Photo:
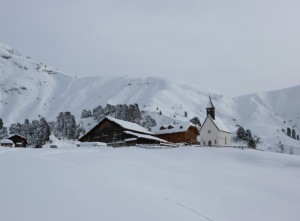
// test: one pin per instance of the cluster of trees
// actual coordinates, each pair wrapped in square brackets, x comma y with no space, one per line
[246,135]
[3,130]
[38,132]
[292,133]
[148,122]
[65,126]
[125,112]
[196,121]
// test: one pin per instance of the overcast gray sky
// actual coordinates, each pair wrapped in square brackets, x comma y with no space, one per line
[233,46]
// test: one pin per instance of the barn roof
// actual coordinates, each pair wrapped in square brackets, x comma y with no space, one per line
[173,128]
[129,125]
[148,137]
[12,135]
[124,124]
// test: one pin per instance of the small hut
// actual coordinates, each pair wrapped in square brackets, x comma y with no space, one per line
[18,140]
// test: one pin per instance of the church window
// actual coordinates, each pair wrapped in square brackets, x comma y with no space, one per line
[209,131]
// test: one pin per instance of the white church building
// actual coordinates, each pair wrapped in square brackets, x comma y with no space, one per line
[213,131]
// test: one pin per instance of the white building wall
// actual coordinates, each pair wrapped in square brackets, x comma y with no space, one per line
[209,132]
[225,139]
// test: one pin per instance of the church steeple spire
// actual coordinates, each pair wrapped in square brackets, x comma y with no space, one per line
[210,109]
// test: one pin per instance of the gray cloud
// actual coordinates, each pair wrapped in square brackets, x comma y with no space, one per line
[234,47]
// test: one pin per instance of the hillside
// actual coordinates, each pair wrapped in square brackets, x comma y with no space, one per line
[30,89]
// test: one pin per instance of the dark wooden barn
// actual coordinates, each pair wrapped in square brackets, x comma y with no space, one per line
[117,132]
[178,133]
[18,140]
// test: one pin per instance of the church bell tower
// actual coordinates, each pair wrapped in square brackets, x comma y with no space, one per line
[210,109]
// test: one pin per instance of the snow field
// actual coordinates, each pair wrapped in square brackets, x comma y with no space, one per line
[187,183]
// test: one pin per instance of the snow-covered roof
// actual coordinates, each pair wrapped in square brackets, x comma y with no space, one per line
[149,137]
[11,135]
[173,128]
[130,139]
[219,124]
[6,141]
[129,125]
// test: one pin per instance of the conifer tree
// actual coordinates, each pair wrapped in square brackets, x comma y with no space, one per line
[3,132]
[1,124]
[196,121]
[45,130]
[293,134]
[25,129]
[15,128]
[65,127]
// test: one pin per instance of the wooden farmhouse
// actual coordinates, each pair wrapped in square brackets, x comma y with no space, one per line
[117,132]
[213,131]
[18,140]
[178,133]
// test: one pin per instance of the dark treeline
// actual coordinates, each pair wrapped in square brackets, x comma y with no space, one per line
[37,132]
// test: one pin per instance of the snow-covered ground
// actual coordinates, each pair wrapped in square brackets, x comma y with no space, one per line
[186,183]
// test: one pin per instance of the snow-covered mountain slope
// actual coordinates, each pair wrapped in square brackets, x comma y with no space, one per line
[29,89]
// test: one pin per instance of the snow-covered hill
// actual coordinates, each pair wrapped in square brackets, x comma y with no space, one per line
[29,89]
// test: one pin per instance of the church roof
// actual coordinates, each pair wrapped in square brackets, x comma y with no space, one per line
[218,123]
[210,103]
